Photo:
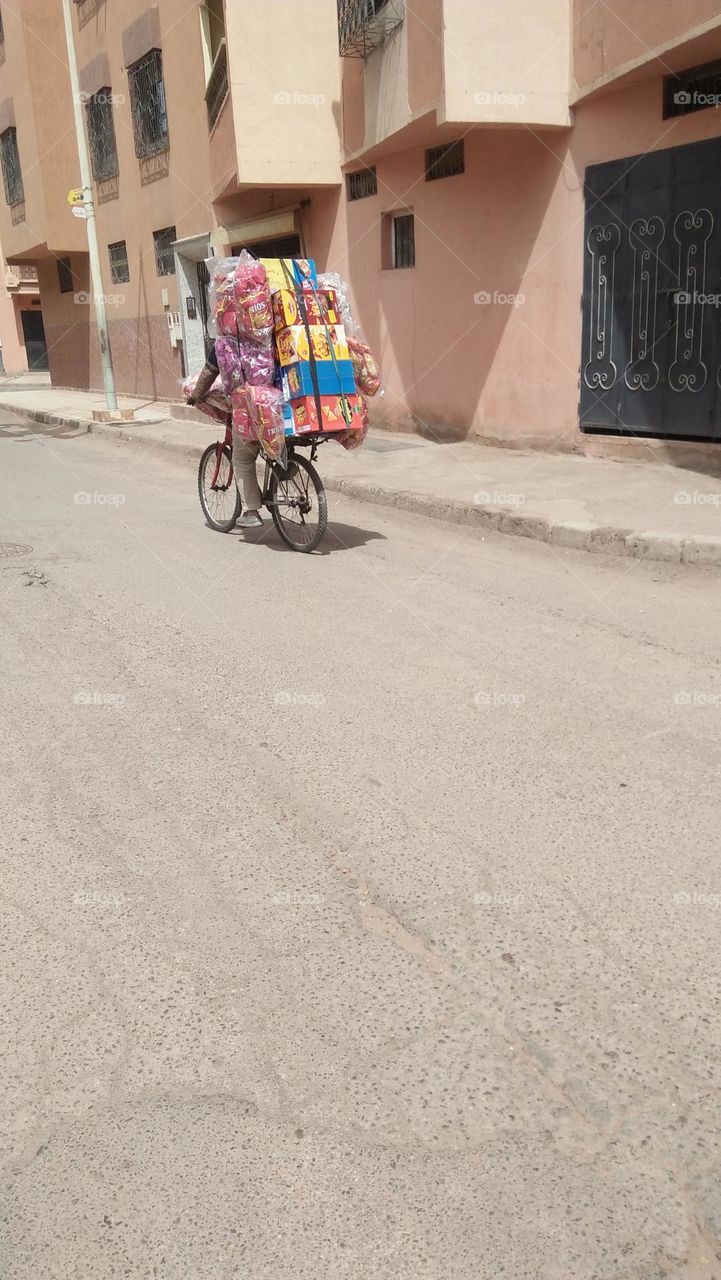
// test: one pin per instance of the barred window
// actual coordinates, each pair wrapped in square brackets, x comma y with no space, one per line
[363,183]
[147,100]
[101,133]
[692,90]
[12,173]
[66,280]
[404,240]
[164,252]
[119,266]
[446,161]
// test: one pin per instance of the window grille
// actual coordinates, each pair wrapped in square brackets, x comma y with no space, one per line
[101,133]
[164,252]
[445,161]
[66,279]
[147,100]
[362,184]
[404,240]
[692,90]
[12,173]
[363,25]
[217,90]
[119,267]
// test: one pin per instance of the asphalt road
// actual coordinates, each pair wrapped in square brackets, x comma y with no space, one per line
[360,912]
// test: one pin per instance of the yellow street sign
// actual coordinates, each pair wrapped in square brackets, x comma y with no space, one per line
[76,195]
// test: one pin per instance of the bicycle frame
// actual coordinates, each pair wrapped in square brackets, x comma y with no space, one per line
[312,441]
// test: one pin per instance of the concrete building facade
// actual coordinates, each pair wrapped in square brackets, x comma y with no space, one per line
[521,193]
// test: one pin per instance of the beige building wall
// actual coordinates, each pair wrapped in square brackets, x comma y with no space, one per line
[285,88]
[648,37]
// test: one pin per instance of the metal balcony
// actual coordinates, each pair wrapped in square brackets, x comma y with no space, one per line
[363,25]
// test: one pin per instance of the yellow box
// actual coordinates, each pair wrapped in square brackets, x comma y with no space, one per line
[292,343]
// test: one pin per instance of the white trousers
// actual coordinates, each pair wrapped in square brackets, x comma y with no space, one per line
[245,456]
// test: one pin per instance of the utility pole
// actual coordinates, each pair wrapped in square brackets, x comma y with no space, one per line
[93,246]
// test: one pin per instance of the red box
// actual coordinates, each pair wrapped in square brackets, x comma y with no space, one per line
[305,413]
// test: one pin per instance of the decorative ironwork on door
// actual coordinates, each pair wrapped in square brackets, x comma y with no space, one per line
[651,360]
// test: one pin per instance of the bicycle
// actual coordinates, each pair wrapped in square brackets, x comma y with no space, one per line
[294,495]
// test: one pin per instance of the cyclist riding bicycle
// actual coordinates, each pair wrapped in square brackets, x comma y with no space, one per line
[245,452]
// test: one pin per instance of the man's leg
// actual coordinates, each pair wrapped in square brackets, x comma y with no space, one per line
[245,456]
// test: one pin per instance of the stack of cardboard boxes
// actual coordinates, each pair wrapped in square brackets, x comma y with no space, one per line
[317,379]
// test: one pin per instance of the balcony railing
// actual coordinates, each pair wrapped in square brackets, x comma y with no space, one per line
[217,90]
[363,25]
[23,276]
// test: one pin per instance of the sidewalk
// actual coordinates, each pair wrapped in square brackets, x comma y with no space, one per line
[638,509]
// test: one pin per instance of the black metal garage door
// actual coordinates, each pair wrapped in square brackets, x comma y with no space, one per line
[651,362]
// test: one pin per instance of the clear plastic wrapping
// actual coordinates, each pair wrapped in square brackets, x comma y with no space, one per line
[258,415]
[365,369]
[216,404]
[251,293]
[222,303]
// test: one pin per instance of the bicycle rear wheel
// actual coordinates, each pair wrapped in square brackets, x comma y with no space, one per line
[298,505]
[217,489]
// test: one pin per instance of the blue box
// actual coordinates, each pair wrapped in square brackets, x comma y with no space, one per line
[334,378]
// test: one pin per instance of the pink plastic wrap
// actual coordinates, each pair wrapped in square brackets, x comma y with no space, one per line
[216,405]
[266,425]
[227,353]
[252,299]
[258,361]
[241,413]
[241,361]
[222,301]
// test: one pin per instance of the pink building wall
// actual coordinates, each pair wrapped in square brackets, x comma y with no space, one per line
[511,228]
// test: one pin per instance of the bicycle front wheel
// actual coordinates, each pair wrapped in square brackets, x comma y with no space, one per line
[298,505]
[217,489]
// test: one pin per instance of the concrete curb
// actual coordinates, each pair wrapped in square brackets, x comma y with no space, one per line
[658,545]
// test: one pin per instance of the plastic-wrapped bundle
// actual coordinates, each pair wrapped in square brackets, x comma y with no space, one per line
[367,373]
[258,361]
[216,404]
[331,280]
[230,363]
[222,300]
[241,413]
[251,293]
[265,413]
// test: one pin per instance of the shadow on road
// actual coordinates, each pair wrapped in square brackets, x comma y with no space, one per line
[26,430]
[340,537]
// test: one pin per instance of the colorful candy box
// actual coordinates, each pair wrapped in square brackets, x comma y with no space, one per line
[292,343]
